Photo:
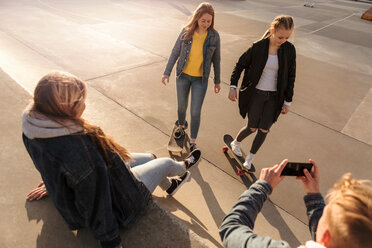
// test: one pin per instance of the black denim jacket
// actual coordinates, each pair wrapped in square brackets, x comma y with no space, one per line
[253,62]
[85,191]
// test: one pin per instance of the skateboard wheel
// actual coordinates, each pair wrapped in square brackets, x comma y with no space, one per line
[240,172]
[224,149]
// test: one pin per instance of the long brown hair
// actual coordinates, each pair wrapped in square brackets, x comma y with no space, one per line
[350,213]
[282,21]
[60,97]
[203,8]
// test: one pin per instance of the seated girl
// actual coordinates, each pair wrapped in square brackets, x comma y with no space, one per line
[92,180]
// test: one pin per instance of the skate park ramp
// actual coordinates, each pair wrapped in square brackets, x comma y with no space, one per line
[120,48]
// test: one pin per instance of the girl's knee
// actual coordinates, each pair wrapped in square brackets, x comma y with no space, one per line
[253,129]
[264,130]
[165,160]
[195,114]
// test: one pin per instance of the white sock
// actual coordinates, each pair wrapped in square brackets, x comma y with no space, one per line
[250,156]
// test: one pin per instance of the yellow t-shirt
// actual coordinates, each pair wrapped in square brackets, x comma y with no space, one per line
[195,61]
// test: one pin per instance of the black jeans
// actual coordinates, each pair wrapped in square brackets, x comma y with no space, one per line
[262,110]
[260,115]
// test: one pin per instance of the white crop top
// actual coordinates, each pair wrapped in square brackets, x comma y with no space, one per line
[268,80]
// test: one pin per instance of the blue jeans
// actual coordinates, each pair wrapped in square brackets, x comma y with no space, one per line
[198,90]
[155,171]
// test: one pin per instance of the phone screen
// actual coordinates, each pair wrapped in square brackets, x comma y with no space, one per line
[296,169]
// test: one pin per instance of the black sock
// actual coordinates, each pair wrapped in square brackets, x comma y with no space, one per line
[243,133]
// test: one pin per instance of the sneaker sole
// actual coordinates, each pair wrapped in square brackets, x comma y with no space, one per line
[183,182]
[239,155]
[247,167]
[197,162]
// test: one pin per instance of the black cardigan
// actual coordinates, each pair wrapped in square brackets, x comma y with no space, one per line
[253,62]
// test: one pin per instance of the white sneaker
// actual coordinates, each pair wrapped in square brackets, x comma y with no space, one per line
[235,147]
[248,161]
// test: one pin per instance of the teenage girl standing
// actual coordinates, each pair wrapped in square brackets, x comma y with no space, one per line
[196,48]
[267,88]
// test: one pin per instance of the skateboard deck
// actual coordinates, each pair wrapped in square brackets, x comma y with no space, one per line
[240,159]
[176,145]
[309,4]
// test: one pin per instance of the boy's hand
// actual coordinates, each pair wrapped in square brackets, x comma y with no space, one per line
[272,174]
[311,179]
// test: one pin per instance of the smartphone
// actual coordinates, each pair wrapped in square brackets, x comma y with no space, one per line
[296,169]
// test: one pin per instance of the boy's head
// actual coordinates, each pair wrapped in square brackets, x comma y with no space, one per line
[347,218]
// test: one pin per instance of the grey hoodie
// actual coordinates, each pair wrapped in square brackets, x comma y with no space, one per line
[35,125]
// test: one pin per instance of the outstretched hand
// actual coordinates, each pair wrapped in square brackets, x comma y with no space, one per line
[233,94]
[38,193]
[272,174]
[285,109]
[217,88]
[311,179]
[165,79]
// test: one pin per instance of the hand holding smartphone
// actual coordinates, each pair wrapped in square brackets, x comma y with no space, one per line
[296,169]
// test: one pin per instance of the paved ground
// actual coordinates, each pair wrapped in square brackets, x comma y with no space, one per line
[120,49]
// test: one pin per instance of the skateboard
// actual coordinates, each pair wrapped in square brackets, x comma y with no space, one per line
[309,4]
[240,159]
[176,145]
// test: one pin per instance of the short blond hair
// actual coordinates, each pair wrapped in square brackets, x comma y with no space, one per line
[349,214]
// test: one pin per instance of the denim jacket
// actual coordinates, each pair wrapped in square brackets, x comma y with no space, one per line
[211,54]
[85,191]
[237,227]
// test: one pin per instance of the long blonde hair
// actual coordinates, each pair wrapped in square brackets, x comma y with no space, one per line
[60,97]
[282,21]
[350,213]
[202,9]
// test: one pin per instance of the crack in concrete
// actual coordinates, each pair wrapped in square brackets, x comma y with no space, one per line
[127,69]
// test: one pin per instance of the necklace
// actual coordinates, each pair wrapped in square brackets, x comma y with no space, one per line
[199,36]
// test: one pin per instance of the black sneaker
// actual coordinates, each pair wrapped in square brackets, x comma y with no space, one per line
[179,133]
[193,158]
[192,147]
[178,182]
[185,125]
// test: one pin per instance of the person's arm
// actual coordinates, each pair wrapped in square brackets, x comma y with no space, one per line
[237,227]
[243,63]
[291,77]
[313,200]
[216,60]
[173,58]
[93,201]
[314,210]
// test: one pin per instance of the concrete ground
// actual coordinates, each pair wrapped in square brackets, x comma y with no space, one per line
[120,48]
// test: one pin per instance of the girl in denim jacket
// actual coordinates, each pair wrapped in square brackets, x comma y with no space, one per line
[93,181]
[196,48]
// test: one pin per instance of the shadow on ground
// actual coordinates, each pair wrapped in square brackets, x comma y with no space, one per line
[144,233]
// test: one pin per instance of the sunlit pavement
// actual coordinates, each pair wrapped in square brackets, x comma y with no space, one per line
[120,49]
